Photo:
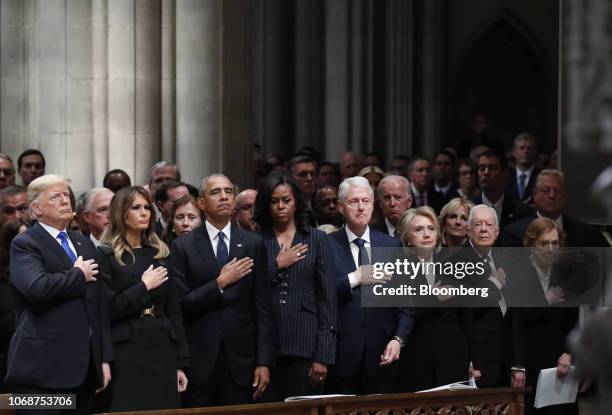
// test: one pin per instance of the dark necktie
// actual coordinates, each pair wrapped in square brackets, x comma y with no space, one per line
[221,250]
[364,259]
[63,237]
[521,185]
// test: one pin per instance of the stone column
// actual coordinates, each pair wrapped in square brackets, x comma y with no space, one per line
[399,77]
[199,72]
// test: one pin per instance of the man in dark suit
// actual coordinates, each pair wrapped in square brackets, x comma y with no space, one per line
[492,178]
[549,196]
[225,296]
[491,331]
[62,340]
[419,173]
[394,198]
[444,176]
[369,339]
[522,178]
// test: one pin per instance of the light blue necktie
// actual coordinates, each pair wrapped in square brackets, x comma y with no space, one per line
[63,237]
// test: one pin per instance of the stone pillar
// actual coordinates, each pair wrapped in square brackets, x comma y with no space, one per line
[199,72]
[399,77]
[102,162]
[432,50]
[168,84]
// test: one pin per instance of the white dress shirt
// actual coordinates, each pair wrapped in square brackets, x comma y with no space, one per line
[213,234]
[55,232]
[355,251]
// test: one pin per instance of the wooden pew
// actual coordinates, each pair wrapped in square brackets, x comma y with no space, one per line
[502,401]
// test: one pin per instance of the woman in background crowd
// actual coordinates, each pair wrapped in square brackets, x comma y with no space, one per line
[454,221]
[468,179]
[147,330]
[303,289]
[185,216]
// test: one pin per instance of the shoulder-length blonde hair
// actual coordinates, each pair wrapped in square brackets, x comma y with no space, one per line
[403,225]
[453,205]
[115,234]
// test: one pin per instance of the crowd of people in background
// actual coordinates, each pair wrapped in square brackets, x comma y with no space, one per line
[210,295]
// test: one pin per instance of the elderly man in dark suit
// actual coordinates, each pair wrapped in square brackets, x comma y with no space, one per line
[62,340]
[549,196]
[394,198]
[369,339]
[492,178]
[225,297]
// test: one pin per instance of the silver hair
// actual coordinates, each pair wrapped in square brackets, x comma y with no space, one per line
[39,185]
[524,136]
[550,173]
[481,207]
[358,182]
[391,178]
[89,195]
[161,164]
[7,158]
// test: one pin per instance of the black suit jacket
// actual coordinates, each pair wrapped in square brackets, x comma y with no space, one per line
[512,185]
[445,197]
[360,329]
[61,318]
[512,210]
[304,299]
[434,199]
[240,318]
[577,233]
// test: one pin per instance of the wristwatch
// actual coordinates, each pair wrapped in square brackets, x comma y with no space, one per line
[399,340]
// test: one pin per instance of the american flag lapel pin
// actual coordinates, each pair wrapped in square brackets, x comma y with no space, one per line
[239,245]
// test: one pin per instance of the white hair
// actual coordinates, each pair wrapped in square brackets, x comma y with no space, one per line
[89,195]
[393,178]
[358,182]
[482,207]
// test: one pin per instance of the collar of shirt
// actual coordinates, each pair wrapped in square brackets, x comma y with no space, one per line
[527,173]
[543,276]
[213,233]
[352,236]
[415,192]
[54,232]
[95,240]
[559,220]
[443,190]
[498,206]
[390,228]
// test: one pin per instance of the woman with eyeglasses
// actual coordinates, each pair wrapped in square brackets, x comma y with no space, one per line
[150,350]
[302,289]
[541,320]
[441,341]
[467,170]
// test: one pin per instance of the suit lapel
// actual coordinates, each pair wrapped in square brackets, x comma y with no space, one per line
[343,241]
[78,246]
[201,235]
[44,237]
[237,244]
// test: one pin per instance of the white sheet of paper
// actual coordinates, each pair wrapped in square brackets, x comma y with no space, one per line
[554,391]
[307,397]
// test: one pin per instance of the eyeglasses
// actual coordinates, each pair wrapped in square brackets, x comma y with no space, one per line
[479,225]
[548,244]
[11,210]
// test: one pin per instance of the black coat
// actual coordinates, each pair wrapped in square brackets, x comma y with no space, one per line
[240,318]
[512,185]
[7,326]
[304,299]
[145,376]
[62,320]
